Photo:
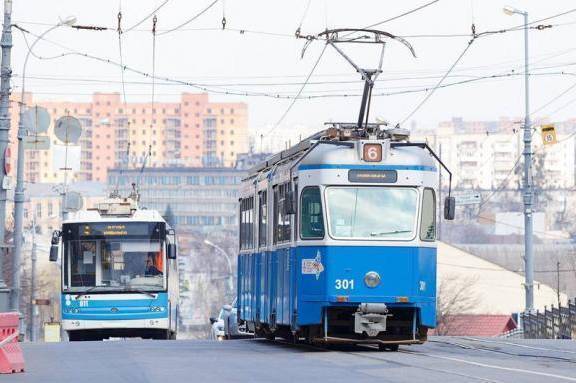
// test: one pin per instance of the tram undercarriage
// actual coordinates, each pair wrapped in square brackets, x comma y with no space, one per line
[340,327]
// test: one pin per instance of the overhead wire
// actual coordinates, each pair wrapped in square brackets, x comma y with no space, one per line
[126,162]
[197,15]
[402,14]
[283,116]
[423,101]
[153,13]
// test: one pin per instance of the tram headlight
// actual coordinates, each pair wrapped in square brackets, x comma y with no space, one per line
[372,279]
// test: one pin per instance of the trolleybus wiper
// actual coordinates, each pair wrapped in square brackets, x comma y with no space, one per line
[133,290]
[87,291]
[390,232]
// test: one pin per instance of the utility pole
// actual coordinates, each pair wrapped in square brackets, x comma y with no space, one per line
[527,185]
[558,284]
[34,257]
[19,191]
[440,197]
[6,74]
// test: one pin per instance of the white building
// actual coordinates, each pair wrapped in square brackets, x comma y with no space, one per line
[486,155]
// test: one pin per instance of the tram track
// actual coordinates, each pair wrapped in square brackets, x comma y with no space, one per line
[382,358]
[389,361]
[488,349]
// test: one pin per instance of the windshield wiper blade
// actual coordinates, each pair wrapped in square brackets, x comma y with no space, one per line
[86,292]
[390,232]
[130,289]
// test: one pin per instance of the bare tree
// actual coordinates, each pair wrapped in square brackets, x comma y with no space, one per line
[454,297]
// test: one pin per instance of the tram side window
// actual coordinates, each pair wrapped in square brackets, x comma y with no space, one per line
[428,221]
[282,228]
[262,218]
[311,220]
[247,223]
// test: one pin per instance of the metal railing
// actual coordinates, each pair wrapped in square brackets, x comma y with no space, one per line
[553,323]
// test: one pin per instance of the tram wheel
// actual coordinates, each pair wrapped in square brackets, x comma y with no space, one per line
[388,347]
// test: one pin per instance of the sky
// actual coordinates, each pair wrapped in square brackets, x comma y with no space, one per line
[202,53]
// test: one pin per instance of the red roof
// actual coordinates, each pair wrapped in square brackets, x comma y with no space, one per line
[475,325]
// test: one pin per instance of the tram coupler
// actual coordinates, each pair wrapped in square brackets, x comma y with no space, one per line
[370,318]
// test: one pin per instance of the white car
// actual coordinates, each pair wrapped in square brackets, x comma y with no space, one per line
[217,329]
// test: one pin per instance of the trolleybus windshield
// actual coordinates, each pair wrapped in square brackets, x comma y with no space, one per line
[118,257]
[376,213]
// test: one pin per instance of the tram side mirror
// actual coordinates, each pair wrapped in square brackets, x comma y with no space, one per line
[289,203]
[213,320]
[449,208]
[172,251]
[54,246]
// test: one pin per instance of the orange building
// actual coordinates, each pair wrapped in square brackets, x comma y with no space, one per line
[191,132]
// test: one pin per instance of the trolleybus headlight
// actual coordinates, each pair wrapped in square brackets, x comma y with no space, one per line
[372,279]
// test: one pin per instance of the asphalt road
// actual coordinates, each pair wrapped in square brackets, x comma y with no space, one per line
[440,360]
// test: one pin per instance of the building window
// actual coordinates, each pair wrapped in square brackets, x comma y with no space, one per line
[311,219]
[428,221]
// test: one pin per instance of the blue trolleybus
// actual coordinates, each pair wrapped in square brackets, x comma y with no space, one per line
[337,239]
[119,273]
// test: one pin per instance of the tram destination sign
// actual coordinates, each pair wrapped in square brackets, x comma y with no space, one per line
[373,176]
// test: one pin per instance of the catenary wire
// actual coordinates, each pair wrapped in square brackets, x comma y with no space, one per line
[147,17]
[197,15]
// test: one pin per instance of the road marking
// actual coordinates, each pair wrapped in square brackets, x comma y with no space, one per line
[569,378]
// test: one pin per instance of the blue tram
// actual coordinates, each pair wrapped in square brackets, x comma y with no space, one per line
[337,239]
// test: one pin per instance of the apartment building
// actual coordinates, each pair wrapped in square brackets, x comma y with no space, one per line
[486,155]
[199,198]
[190,132]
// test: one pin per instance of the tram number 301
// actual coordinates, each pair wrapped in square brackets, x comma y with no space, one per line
[344,284]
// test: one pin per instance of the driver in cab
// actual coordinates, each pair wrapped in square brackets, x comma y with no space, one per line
[151,269]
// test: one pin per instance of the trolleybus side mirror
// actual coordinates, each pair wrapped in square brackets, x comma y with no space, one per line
[213,320]
[289,203]
[54,246]
[172,251]
[449,208]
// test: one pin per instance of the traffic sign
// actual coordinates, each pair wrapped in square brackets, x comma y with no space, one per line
[68,129]
[36,119]
[72,202]
[36,142]
[472,198]
[549,134]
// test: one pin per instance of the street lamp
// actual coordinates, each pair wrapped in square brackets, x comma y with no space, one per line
[527,181]
[32,312]
[228,262]
[19,191]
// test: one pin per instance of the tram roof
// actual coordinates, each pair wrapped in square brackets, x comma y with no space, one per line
[341,134]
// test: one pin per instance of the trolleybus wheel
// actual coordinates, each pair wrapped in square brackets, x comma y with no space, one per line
[388,347]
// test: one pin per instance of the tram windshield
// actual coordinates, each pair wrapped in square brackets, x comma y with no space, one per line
[114,257]
[377,213]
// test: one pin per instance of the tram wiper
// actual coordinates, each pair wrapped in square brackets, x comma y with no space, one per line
[390,232]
